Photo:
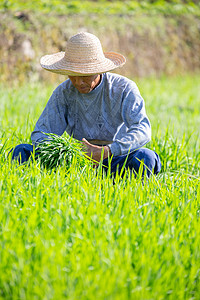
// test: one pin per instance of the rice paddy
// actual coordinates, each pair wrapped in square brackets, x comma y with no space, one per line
[76,234]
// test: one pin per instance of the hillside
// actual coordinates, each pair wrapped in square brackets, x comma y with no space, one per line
[156,40]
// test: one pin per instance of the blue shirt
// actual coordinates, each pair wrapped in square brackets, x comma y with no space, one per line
[114,112]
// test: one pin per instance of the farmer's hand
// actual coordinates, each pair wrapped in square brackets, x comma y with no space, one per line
[94,151]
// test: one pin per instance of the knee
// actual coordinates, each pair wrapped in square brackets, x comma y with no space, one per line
[148,160]
[22,152]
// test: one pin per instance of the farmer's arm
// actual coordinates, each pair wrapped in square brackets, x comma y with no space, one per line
[53,118]
[138,129]
[136,133]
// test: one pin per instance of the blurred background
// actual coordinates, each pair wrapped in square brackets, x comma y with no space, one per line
[157,37]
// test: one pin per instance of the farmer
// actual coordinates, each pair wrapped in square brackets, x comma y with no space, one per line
[103,110]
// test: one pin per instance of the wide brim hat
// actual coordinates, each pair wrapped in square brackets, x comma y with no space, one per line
[83,57]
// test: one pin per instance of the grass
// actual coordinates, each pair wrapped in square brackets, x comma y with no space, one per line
[103,7]
[75,235]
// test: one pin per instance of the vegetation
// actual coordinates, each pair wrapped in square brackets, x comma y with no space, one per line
[58,151]
[156,37]
[77,235]
[74,233]
[102,7]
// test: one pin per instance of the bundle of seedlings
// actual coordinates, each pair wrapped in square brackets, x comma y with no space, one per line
[61,151]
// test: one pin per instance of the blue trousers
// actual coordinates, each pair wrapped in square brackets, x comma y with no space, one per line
[147,159]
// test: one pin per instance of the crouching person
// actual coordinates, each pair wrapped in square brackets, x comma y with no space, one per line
[103,110]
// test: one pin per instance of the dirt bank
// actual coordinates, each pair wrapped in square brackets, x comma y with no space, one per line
[153,45]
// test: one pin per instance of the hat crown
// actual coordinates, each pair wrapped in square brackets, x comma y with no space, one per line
[84,47]
[84,56]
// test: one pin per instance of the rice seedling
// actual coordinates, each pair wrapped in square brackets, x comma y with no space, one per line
[61,150]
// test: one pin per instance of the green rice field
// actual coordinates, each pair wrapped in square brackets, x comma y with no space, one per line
[77,234]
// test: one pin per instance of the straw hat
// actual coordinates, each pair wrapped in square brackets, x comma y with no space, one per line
[83,57]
